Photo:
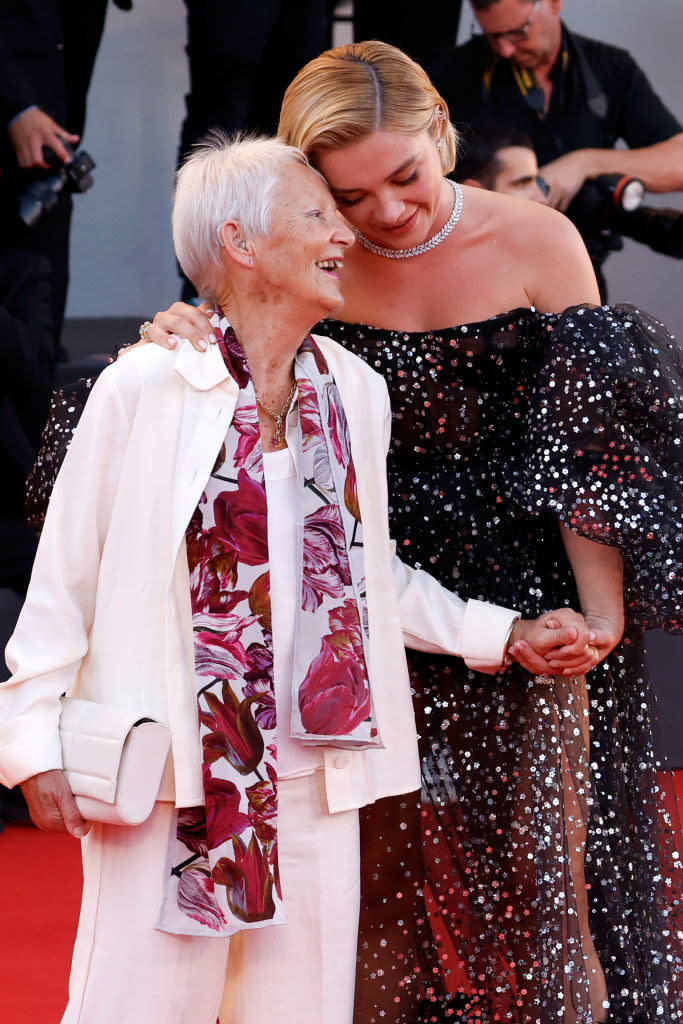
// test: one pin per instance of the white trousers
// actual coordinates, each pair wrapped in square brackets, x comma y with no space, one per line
[124,971]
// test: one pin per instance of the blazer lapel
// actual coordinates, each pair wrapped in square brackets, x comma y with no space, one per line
[208,407]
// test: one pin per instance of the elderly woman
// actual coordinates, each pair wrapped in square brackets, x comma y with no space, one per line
[528,424]
[216,555]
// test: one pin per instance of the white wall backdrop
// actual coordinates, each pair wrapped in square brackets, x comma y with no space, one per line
[122,264]
[121,254]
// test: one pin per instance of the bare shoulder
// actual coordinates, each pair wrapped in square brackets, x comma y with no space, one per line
[562,275]
[550,253]
[522,227]
[549,232]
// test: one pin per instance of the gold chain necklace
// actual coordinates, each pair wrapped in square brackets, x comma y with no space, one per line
[279,417]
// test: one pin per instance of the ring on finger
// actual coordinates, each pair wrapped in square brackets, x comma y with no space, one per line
[142,330]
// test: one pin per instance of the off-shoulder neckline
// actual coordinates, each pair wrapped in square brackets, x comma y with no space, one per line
[518,311]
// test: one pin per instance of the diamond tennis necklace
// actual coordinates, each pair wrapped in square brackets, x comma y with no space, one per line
[431,243]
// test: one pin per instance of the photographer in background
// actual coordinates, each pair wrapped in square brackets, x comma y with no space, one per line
[47,56]
[574,97]
[500,158]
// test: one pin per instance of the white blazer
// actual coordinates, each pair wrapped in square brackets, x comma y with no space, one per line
[108,616]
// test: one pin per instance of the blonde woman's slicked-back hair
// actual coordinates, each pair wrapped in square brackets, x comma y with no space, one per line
[224,179]
[348,93]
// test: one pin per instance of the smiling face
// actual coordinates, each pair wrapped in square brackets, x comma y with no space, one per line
[302,254]
[390,186]
[542,44]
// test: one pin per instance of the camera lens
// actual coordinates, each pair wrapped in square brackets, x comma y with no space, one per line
[631,195]
[30,209]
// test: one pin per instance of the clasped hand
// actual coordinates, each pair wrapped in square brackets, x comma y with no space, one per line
[562,642]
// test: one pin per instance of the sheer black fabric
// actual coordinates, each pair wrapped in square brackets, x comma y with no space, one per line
[66,407]
[501,429]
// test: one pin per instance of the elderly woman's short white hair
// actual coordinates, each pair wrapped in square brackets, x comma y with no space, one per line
[224,179]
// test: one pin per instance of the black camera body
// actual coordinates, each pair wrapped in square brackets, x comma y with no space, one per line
[42,194]
[660,228]
[610,206]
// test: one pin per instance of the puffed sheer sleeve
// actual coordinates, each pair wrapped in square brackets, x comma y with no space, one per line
[605,448]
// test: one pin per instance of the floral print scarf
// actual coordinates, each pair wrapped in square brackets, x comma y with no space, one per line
[223,870]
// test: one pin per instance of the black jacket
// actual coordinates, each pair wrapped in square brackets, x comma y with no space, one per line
[599,95]
[47,56]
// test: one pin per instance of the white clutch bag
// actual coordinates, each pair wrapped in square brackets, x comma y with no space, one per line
[113,760]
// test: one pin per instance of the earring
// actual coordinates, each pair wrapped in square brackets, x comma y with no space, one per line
[442,118]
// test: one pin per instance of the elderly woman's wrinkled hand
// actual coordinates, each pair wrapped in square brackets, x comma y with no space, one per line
[559,643]
[51,804]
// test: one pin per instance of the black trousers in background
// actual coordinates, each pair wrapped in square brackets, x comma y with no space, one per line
[48,237]
[421,30]
[242,56]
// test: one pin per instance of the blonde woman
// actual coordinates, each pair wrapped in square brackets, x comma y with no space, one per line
[535,445]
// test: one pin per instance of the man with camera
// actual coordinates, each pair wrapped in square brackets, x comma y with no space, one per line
[574,97]
[47,55]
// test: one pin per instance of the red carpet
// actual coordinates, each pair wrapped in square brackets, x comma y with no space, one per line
[40,878]
[678,781]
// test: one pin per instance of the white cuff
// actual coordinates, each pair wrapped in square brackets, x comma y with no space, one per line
[485,630]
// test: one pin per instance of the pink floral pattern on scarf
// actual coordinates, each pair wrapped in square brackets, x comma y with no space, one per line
[224,867]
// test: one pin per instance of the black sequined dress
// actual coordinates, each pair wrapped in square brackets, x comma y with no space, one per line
[502,429]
